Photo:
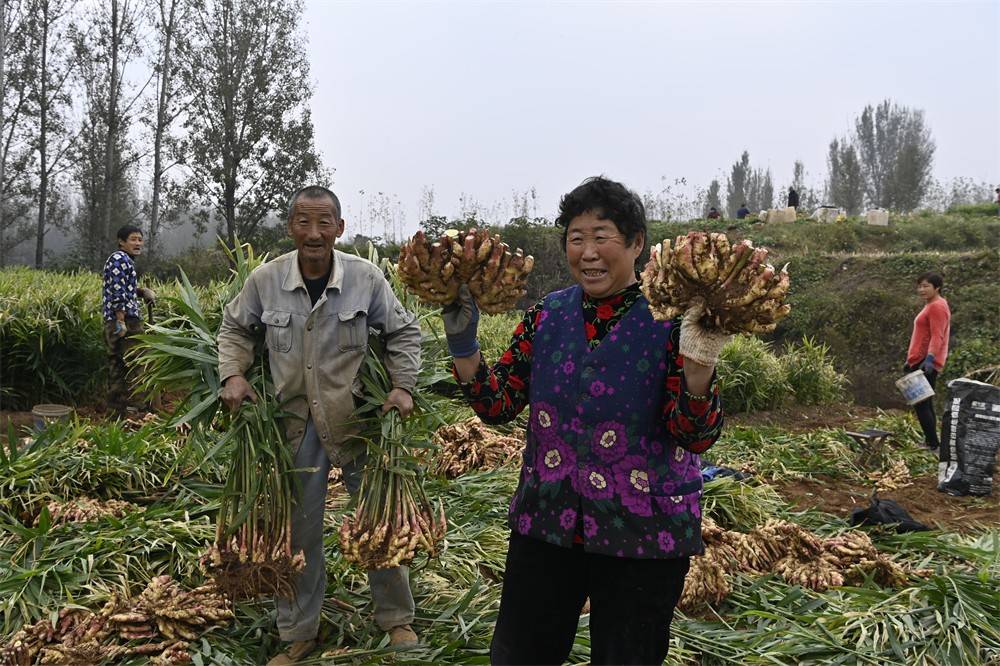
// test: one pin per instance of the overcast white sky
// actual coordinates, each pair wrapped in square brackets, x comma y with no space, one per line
[484,98]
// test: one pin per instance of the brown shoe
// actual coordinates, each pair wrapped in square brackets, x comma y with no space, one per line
[295,652]
[402,636]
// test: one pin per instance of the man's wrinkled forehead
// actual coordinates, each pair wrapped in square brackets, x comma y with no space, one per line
[314,208]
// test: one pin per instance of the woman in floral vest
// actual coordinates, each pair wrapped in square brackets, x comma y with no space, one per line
[620,406]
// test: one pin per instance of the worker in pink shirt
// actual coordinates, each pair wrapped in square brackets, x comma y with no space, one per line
[929,347]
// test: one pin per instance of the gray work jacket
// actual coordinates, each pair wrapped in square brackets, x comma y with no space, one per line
[316,351]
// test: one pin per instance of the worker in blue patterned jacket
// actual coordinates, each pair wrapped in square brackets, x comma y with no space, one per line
[122,315]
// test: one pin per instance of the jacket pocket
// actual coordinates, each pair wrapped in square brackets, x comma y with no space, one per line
[278,334]
[352,333]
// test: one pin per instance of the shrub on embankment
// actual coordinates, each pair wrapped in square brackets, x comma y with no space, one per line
[863,306]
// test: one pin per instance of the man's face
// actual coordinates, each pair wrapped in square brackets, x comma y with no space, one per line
[133,245]
[314,227]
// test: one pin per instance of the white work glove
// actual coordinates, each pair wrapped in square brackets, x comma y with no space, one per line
[697,343]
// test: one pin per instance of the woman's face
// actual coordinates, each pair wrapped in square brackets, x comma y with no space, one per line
[599,259]
[926,290]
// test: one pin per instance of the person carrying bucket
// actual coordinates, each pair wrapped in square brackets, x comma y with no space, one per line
[929,348]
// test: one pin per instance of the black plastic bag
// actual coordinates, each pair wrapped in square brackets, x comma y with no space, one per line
[970,438]
[886,512]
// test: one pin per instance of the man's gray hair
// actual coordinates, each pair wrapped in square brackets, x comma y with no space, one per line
[314,192]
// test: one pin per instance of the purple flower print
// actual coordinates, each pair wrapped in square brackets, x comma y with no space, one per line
[632,483]
[568,367]
[665,541]
[589,527]
[524,523]
[609,441]
[656,448]
[694,506]
[567,519]
[596,483]
[597,388]
[674,505]
[576,425]
[556,459]
[544,419]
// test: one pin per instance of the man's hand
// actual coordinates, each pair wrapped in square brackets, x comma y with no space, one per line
[698,344]
[461,323]
[236,390]
[120,329]
[148,294]
[399,399]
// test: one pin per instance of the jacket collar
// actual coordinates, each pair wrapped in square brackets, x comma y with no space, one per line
[293,275]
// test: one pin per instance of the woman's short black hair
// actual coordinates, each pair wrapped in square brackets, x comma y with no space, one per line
[934,279]
[128,230]
[610,200]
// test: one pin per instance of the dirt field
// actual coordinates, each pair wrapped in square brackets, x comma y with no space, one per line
[922,500]
[797,418]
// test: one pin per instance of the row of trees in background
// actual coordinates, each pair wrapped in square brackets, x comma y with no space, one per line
[158,111]
[124,111]
[885,163]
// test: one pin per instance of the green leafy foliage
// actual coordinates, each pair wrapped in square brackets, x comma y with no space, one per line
[810,373]
[988,209]
[51,333]
[51,336]
[751,377]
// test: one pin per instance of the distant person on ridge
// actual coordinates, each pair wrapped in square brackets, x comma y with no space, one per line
[122,315]
[929,348]
[743,211]
[713,214]
[793,198]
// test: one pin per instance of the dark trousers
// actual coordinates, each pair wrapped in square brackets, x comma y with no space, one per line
[544,587]
[121,379]
[925,412]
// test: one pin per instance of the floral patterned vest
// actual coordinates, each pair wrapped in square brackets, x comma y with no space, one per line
[597,444]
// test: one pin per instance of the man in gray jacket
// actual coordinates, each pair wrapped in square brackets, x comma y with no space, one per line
[316,306]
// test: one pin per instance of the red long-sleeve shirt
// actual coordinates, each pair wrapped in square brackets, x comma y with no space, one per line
[930,334]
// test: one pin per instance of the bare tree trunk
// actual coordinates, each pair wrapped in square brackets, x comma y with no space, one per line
[110,141]
[162,112]
[3,96]
[43,148]
[230,204]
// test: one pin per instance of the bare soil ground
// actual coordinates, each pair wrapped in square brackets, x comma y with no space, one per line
[798,418]
[839,496]
[19,420]
[921,500]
